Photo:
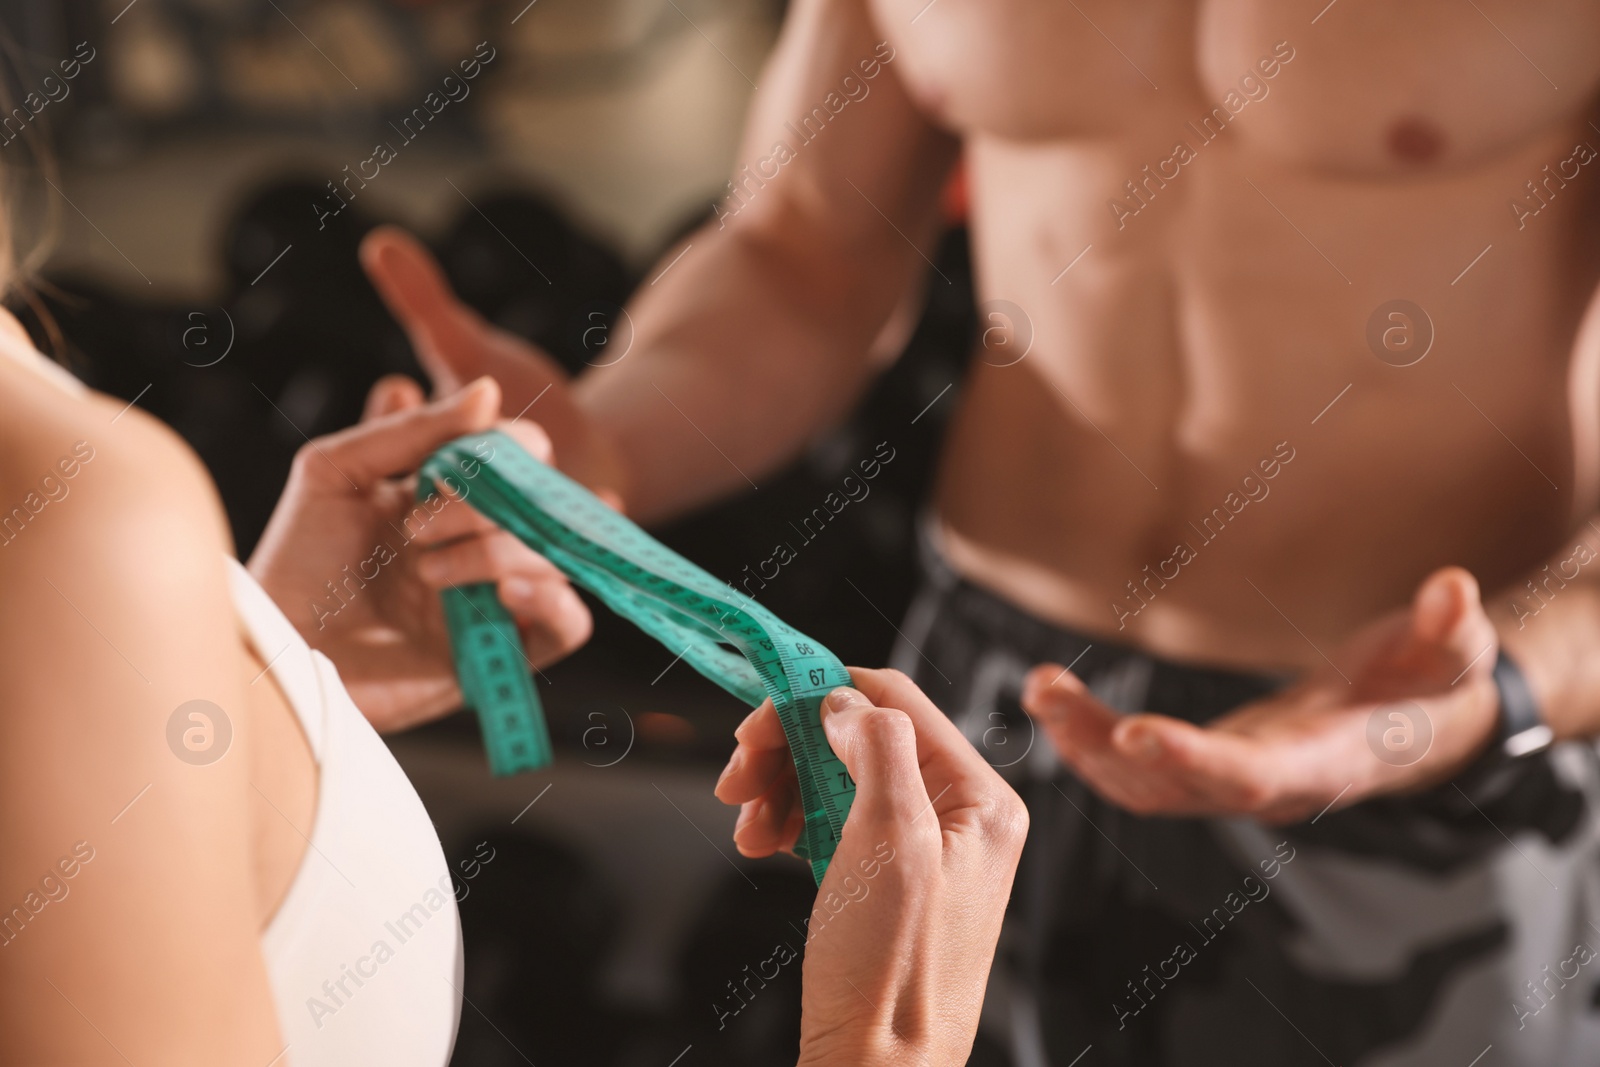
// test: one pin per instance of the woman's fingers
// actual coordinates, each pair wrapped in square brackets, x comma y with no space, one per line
[455,520]
[485,558]
[937,737]
[396,443]
[751,772]
[957,778]
[908,914]
[761,754]
[762,728]
[793,826]
[962,794]
[553,619]
[531,436]
[760,778]
[392,393]
[878,746]
[914,771]
[397,434]
[771,822]
[554,622]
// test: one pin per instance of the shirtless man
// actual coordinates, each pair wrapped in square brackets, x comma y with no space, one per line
[1231,481]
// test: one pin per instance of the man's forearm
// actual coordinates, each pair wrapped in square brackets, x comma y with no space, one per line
[755,333]
[741,352]
[1550,624]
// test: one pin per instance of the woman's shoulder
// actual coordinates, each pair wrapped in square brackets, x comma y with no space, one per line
[80,470]
[116,624]
[112,557]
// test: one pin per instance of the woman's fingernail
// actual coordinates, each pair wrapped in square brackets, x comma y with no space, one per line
[467,394]
[734,763]
[518,590]
[738,731]
[843,699]
[569,600]
[747,815]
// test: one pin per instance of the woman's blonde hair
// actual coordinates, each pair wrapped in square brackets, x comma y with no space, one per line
[19,273]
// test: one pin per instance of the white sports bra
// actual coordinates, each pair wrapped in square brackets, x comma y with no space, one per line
[364,955]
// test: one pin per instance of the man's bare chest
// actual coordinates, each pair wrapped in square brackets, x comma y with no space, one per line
[1352,86]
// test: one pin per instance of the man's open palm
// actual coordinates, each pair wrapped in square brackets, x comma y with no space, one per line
[1410,704]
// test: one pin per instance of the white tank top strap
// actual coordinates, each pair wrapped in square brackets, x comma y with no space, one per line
[288,658]
[364,955]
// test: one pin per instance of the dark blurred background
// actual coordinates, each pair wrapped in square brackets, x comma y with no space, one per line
[191,274]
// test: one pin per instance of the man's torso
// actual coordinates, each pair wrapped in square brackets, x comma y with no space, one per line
[1190,216]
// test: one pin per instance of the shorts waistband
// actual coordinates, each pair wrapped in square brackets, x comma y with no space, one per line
[1124,676]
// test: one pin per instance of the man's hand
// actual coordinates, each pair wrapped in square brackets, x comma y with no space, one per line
[357,565]
[1414,704]
[904,928]
[455,345]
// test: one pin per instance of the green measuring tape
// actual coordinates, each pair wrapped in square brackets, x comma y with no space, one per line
[713,627]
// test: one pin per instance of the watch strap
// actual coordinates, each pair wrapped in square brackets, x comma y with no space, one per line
[1522,730]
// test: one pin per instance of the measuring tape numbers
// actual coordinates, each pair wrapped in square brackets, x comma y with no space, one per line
[717,630]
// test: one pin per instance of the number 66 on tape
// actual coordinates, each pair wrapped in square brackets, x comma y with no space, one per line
[692,613]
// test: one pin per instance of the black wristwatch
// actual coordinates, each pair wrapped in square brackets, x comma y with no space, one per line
[1522,730]
[1520,733]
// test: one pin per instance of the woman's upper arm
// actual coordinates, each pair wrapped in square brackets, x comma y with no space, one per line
[127,900]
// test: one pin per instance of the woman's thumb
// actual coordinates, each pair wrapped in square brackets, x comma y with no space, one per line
[878,746]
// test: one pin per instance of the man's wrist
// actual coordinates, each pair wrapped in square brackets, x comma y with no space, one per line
[1555,655]
[872,1053]
[1521,728]
[1516,731]
[843,1053]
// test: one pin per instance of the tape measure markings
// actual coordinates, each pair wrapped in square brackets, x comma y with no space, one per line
[664,594]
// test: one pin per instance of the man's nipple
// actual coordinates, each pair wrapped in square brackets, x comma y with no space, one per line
[1415,141]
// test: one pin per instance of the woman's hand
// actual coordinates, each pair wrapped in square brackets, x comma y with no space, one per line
[906,920]
[357,565]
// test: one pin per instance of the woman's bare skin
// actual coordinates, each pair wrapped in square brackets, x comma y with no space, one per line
[116,611]
[158,875]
